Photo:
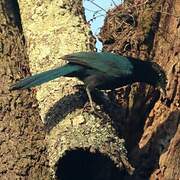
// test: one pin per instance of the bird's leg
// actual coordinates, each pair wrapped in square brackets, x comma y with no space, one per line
[90,99]
[91,103]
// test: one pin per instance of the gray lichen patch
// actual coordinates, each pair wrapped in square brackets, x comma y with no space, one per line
[89,133]
[52,30]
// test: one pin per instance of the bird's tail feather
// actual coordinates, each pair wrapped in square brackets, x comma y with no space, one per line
[46,76]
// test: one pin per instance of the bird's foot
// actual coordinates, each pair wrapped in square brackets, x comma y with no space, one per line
[98,114]
[90,108]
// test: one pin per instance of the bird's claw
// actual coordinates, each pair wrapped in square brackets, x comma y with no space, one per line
[88,108]
[91,109]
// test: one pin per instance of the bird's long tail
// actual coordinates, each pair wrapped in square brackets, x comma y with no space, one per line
[46,76]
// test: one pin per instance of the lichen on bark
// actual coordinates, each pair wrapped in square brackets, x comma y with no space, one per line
[53,29]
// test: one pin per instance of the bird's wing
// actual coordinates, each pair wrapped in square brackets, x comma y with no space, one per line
[109,63]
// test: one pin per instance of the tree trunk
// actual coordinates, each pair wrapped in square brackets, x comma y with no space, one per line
[53,29]
[22,139]
[148,30]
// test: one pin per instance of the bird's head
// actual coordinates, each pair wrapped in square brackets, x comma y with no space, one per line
[160,78]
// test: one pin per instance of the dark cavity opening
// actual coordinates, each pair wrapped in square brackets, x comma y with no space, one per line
[83,165]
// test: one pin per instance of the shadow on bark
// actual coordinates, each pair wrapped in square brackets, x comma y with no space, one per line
[63,107]
[158,143]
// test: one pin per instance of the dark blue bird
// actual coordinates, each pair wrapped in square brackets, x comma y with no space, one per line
[102,71]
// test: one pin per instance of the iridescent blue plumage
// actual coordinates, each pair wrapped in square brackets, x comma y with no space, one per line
[102,71]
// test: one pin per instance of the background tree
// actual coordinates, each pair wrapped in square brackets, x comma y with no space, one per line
[150,124]
[23,148]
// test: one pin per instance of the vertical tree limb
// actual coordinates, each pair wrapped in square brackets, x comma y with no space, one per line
[22,145]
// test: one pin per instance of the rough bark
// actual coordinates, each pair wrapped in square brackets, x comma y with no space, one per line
[150,124]
[23,153]
[52,29]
